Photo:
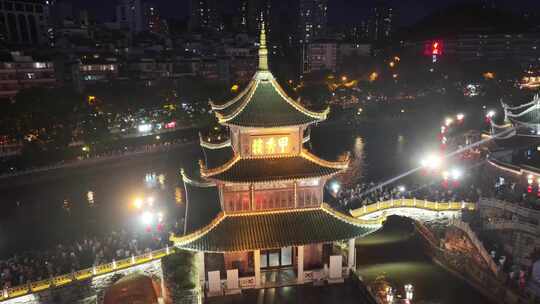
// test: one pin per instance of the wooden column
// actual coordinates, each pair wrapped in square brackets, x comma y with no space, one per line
[300,264]
[251,197]
[257,266]
[351,261]
[295,194]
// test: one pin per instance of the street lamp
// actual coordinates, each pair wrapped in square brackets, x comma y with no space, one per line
[137,203]
[460,116]
[490,114]
[335,187]
[456,173]
[401,188]
[147,218]
[432,162]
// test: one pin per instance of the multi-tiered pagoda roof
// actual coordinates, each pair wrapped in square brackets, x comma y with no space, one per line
[262,108]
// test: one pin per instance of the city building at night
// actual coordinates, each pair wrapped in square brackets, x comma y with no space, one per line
[313,19]
[19,71]
[24,21]
[257,201]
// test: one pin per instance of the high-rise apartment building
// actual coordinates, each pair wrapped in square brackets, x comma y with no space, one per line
[24,21]
[137,16]
[380,22]
[313,19]
[205,14]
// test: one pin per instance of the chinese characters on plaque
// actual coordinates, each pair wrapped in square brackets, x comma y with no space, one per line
[267,145]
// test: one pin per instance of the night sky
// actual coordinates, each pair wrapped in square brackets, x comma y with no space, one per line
[348,11]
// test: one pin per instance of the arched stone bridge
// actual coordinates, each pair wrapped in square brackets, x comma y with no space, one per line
[420,210]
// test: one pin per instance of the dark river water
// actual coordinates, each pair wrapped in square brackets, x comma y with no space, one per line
[98,199]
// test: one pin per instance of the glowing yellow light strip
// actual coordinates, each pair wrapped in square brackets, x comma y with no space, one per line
[520,172]
[84,274]
[325,163]
[224,118]
[179,241]
[411,203]
[352,220]
[205,172]
[297,106]
[271,211]
[188,180]
[234,100]
[215,146]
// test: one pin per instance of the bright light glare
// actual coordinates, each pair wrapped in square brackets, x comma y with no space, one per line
[144,128]
[432,162]
[401,188]
[150,200]
[137,203]
[460,116]
[147,218]
[491,114]
[445,175]
[456,173]
[448,121]
[335,187]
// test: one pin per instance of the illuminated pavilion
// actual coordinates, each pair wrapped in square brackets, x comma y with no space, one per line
[256,201]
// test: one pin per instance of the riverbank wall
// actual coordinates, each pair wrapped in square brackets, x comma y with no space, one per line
[94,165]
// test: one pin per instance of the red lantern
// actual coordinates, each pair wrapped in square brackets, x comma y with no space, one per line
[529,189]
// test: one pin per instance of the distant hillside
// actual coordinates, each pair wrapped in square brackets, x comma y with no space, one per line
[464,18]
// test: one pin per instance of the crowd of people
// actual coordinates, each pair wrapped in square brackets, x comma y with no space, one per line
[368,193]
[67,258]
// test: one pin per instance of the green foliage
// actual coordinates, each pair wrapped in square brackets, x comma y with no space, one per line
[180,269]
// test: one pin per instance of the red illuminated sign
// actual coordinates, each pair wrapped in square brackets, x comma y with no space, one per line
[434,47]
[170,125]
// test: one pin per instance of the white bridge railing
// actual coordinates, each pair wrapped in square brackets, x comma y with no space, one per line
[412,203]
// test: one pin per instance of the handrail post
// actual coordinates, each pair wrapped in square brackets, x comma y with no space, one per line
[132,259]
[5,293]
[167,250]
[94,270]
[114,264]
[414,201]
[151,254]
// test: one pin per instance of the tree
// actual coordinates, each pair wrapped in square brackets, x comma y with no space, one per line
[45,113]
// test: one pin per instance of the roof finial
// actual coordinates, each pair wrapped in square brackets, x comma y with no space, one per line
[263,51]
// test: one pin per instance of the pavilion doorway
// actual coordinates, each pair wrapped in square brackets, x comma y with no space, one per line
[276,258]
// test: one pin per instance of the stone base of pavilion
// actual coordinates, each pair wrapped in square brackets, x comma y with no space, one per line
[318,264]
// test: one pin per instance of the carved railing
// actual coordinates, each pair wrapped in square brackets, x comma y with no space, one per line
[62,280]
[477,243]
[511,225]
[508,206]
[411,203]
